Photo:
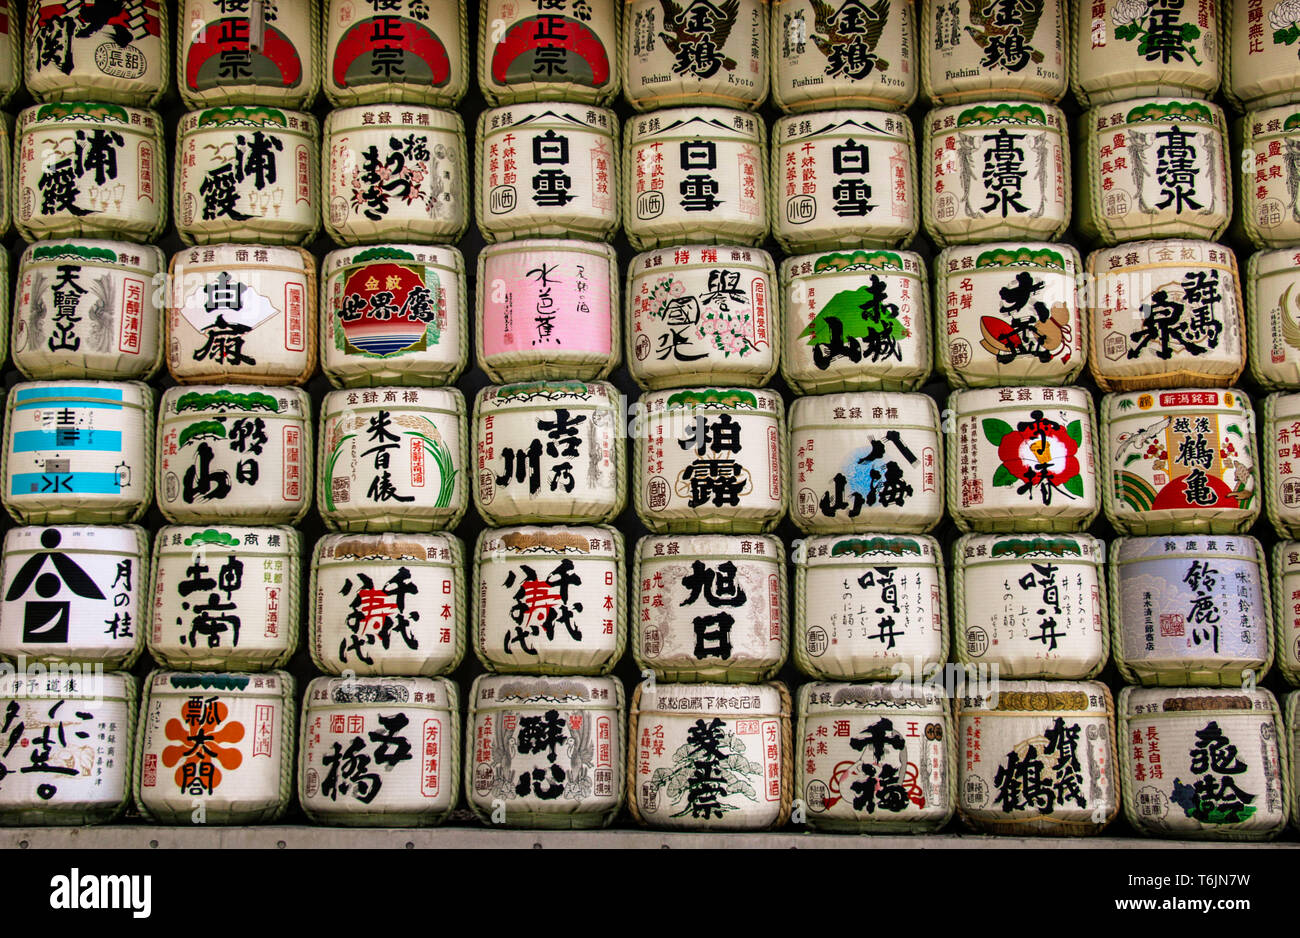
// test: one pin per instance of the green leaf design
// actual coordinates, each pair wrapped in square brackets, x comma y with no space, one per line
[1286,36]
[995,430]
[1130,460]
[1190,31]
[1074,485]
[1075,429]
[1003,477]
[1127,31]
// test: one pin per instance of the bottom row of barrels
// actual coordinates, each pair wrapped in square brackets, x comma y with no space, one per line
[1014,757]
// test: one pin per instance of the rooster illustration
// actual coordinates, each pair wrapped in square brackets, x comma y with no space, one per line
[699,23]
[986,30]
[827,19]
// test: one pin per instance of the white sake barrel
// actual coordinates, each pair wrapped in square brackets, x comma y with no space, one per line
[710,757]
[68,760]
[242,313]
[392,459]
[1009,313]
[1269,213]
[865,461]
[393,314]
[869,607]
[249,54]
[1279,442]
[1272,290]
[76,52]
[1179,462]
[712,607]
[1037,758]
[875,758]
[74,593]
[1031,606]
[709,460]
[565,51]
[11,65]
[78,452]
[385,604]
[225,597]
[843,178]
[552,451]
[247,174]
[854,55]
[698,312]
[409,50]
[86,170]
[1189,610]
[548,309]
[694,53]
[1260,54]
[547,171]
[995,170]
[88,309]
[214,748]
[545,752]
[1204,764]
[241,453]
[379,751]
[979,50]
[549,600]
[1285,589]
[395,173]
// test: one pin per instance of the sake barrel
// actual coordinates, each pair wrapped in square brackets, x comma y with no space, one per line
[856,55]
[385,604]
[696,53]
[1153,168]
[1189,610]
[1203,764]
[549,451]
[1260,54]
[1270,177]
[392,459]
[241,453]
[869,607]
[249,54]
[88,309]
[547,171]
[565,51]
[1179,462]
[411,51]
[1123,50]
[1008,314]
[1273,318]
[875,758]
[379,751]
[709,460]
[393,314]
[78,452]
[1279,441]
[1031,606]
[548,309]
[242,313]
[1165,314]
[1037,758]
[979,50]
[225,597]
[545,752]
[702,312]
[694,175]
[214,748]
[866,461]
[1285,589]
[76,52]
[395,172]
[11,78]
[1024,460]
[711,607]
[90,171]
[549,600]
[246,173]
[995,170]
[74,592]
[710,757]
[70,762]
[843,178]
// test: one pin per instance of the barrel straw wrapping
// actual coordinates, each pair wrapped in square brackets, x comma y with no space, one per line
[73,54]
[1292,724]
[1272,292]
[1260,70]
[6,162]
[712,607]
[11,64]
[1281,464]
[548,53]
[876,758]
[1285,587]
[379,751]
[387,604]
[1268,176]
[79,773]
[1204,764]
[680,734]
[545,752]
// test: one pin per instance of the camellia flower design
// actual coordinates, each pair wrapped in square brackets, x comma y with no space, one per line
[202,736]
[1039,454]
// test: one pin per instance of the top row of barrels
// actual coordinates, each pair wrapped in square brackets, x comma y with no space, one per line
[812,54]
